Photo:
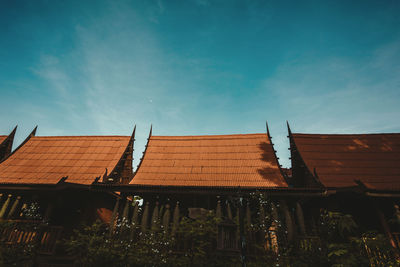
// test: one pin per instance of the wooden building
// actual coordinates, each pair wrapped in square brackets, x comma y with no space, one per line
[193,175]
[70,180]
[360,172]
[47,179]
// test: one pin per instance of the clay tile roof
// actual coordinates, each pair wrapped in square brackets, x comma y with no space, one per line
[46,159]
[245,160]
[340,160]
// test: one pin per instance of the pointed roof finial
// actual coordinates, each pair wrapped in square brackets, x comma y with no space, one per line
[288,127]
[151,130]
[134,131]
[13,131]
[20,145]
[266,123]
[33,133]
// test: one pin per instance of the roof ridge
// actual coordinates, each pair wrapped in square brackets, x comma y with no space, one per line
[346,134]
[207,135]
[58,136]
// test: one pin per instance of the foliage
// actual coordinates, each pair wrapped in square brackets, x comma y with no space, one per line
[379,249]
[196,240]
[94,245]
[342,245]
[193,244]
[339,242]
[22,252]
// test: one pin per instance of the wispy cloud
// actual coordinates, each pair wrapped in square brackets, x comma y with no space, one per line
[337,95]
[189,70]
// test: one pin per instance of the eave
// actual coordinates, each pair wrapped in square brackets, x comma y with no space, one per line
[206,190]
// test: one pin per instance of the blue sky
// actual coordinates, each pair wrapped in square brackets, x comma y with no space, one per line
[199,67]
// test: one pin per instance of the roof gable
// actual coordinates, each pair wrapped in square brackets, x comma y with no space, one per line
[245,160]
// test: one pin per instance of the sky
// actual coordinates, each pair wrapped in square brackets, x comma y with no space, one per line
[195,67]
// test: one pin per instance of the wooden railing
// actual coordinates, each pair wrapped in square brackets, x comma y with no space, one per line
[31,232]
[227,237]
[376,255]
[48,238]
[309,243]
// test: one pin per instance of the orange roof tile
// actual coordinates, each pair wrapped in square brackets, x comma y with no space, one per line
[245,160]
[340,160]
[46,159]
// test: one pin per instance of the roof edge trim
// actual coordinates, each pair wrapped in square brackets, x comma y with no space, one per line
[8,142]
[292,141]
[274,152]
[131,141]
[33,133]
[144,153]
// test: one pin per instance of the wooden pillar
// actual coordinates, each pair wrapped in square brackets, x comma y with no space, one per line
[273,229]
[145,218]
[4,208]
[248,215]
[218,211]
[134,219]
[261,214]
[126,210]
[300,218]
[175,222]
[166,218]
[14,208]
[48,211]
[114,216]
[228,211]
[135,213]
[288,221]
[154,218]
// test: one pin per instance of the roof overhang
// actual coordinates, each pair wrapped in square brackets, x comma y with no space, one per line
[204,190]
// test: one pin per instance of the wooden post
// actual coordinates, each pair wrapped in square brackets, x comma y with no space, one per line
[114,216]
[241,231]
[218,211]
[126,210]
[48,212]
[145,218]
[248,215]
[154,218]
[13,208]
[134,219]
[300,218]
[5,206]
[228,211]
[175,219]
[288,221]
[166,218]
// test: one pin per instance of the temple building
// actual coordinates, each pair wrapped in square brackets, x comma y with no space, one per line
[357,171]
[48,178]
[61,182]
[193,175]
